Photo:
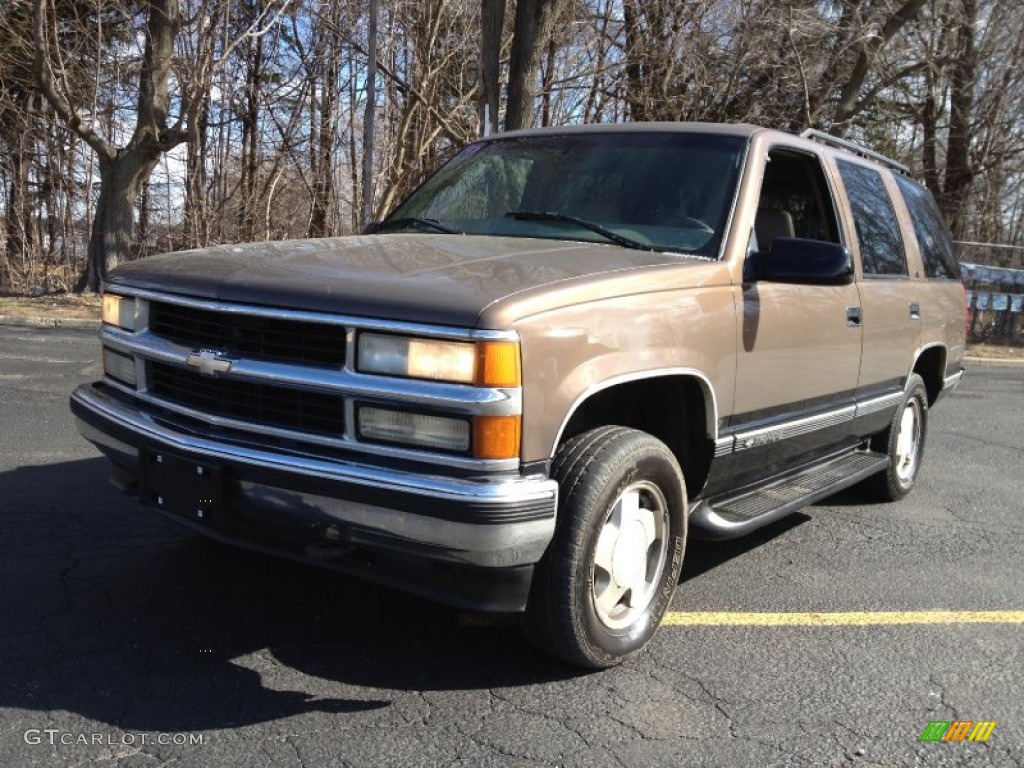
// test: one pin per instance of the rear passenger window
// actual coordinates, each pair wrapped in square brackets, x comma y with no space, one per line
[881,245]
[932,234]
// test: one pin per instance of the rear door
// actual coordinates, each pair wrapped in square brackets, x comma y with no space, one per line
[890,299]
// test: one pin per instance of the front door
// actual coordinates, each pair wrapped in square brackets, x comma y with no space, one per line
[800,345]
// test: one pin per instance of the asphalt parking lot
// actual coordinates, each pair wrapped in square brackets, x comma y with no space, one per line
[130,642]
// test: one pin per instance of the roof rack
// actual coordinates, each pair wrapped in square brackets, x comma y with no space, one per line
[857,149]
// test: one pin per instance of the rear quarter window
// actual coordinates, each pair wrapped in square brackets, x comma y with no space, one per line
[933,236]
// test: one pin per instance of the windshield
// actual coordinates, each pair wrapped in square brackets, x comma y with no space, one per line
[654,191]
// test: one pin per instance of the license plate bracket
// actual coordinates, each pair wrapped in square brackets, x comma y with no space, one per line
[183,486]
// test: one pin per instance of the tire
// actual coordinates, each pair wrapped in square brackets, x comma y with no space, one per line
[903,441]
[607,578]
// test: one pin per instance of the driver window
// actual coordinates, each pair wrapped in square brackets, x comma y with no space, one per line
[795,201]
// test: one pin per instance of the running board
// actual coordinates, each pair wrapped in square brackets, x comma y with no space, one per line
[731,515]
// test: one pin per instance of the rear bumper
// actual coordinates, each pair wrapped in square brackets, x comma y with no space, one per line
[467,541]
[952,381]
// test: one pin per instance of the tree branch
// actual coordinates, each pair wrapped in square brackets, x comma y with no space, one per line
[52,88]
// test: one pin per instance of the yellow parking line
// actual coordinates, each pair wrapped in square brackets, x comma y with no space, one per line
[855,618]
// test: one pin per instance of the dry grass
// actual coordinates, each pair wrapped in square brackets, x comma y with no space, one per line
[63,306]
[994,351]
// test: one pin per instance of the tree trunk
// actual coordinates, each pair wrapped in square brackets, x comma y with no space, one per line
[930,142]
[370,115]
[196,207]
[250,117]
[113,226]
[142,234]
[19,229]
[320,224]
[492,22]
[534,22]
[959,173]
[548,83]
[635,91]
[18,245]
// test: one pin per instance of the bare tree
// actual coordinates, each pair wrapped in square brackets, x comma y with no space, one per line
[868,49]
[534,22]
[124,169]
[95,95]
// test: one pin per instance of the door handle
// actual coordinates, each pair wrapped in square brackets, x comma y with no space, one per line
[853,317]
[915,311]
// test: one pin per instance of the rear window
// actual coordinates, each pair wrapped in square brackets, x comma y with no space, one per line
[932,234]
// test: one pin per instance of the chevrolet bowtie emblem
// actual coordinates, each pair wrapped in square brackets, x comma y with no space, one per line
[209,362]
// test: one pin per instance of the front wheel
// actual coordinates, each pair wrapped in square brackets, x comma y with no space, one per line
[903,442]
[608,576]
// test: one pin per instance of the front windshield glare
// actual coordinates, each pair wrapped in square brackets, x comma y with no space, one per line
[655,191]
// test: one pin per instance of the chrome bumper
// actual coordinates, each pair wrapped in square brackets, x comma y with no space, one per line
[498,521]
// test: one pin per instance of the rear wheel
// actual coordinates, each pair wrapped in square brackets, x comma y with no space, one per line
[608,576]
[904,442]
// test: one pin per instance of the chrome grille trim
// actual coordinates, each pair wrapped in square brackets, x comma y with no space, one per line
[457,400]
[309,442]
[304,410]
[298,342]
[362,323]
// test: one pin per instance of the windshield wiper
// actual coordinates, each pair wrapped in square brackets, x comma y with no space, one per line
[415,221]
[625,242]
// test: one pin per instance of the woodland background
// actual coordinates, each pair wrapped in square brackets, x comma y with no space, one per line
[129,127]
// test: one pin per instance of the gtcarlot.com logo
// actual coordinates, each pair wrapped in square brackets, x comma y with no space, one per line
[958,730]
[55,737]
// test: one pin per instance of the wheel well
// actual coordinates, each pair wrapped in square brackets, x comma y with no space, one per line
[931,366]
[671,408]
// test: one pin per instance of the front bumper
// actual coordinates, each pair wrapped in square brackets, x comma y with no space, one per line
[468,541]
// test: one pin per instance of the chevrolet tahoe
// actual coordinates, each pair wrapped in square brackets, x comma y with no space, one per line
[563,353]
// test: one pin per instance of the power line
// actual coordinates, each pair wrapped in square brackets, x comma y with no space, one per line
[990,245]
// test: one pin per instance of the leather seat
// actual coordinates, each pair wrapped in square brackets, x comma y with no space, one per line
[771,223]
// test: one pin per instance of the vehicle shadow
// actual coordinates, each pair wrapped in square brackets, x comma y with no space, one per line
[114,613]
[703,555]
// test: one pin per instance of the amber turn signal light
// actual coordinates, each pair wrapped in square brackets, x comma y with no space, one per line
[496,437]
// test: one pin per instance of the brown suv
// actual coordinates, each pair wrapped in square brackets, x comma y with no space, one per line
[563,351]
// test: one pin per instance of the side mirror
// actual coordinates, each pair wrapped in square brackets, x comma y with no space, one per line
[372,228]
[795,260]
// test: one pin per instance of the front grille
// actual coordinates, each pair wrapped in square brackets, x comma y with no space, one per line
[284,407]
[251,336]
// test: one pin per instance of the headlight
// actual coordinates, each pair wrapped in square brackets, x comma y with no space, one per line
[120,367]
[417,430]
[486,364]
[119,311]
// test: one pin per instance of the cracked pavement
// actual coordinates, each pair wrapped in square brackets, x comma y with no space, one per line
[118,624]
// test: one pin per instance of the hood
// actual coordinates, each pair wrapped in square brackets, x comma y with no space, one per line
[424,278]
